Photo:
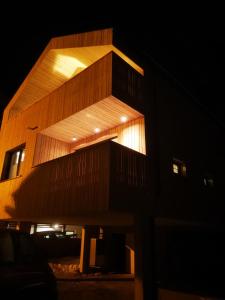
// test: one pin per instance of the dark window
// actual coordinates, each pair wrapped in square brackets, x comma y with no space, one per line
[179,167]
[13,161]
[208,181]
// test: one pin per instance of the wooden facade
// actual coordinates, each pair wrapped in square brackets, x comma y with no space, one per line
[49,107]
[83,182]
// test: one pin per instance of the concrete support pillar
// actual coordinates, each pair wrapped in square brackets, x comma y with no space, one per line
[115,251]
[145,286]
[93,244]
[132,261]
[85,254]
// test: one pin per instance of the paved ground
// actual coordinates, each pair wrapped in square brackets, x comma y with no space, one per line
[96,290]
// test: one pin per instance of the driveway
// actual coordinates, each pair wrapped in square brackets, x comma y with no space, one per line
[96,290]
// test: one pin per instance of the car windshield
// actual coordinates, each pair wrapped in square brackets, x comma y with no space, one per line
[6,248]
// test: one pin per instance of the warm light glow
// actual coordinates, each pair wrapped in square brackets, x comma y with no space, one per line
[97,130]
[175,168]
[131,137]
[123,119]
[67,65]
[74,139]
[23,155]
[56,226]
[17,157]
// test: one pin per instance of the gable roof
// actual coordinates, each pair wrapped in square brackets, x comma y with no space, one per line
[63,58]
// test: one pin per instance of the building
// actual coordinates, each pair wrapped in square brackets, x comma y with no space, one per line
[93,138]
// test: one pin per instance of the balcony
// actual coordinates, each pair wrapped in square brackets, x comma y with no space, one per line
[100,178]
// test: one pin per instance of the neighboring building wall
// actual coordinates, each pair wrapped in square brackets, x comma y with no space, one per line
[186,132]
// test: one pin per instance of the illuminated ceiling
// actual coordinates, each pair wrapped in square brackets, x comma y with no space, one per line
[105,114]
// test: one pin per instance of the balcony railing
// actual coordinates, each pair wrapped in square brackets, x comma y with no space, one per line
[103,177]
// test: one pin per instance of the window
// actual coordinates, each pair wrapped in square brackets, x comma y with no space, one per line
[208,181]
[13,161]
[175,168]
[179,167]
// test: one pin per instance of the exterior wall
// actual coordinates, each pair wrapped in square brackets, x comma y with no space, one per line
[183,130]
[127,84]
[82,183]
[90,86]
[47,148]
[85,89]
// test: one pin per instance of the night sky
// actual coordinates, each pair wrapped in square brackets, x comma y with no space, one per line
[191,48]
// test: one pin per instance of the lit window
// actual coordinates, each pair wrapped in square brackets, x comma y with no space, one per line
[175,168]
[179,167]
[13,162]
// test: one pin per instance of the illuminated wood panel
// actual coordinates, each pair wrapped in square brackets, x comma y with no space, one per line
[104,115]
[91,90]
[89,87]
[64,58]
[48,148]
[80,183]
[131,134]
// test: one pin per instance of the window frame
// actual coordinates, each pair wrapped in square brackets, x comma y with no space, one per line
[180,166]
[8,160]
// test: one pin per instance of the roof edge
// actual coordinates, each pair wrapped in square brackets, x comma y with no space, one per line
[90,38]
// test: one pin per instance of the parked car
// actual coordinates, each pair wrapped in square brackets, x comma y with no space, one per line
[54,234]
[24,271]
[49,234]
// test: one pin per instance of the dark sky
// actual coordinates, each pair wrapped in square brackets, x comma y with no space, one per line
[190,48]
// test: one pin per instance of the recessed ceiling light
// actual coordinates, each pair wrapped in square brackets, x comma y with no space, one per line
[74,139]
[123,119]
[97,130]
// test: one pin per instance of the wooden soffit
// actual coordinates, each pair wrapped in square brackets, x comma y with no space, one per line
[105,114]
[64,58]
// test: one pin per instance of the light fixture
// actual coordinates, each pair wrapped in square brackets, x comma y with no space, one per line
[56,226]
[74,139]
[123,119]
[97,130]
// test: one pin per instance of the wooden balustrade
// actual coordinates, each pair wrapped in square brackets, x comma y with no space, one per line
[102,177]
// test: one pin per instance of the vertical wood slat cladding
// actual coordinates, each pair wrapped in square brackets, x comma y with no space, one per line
[66,186]
[127,83]
[99,37]
[48,148]
[129,179]
[130,134]
[76,94]
[81,182]
[94,38]
[87,88]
